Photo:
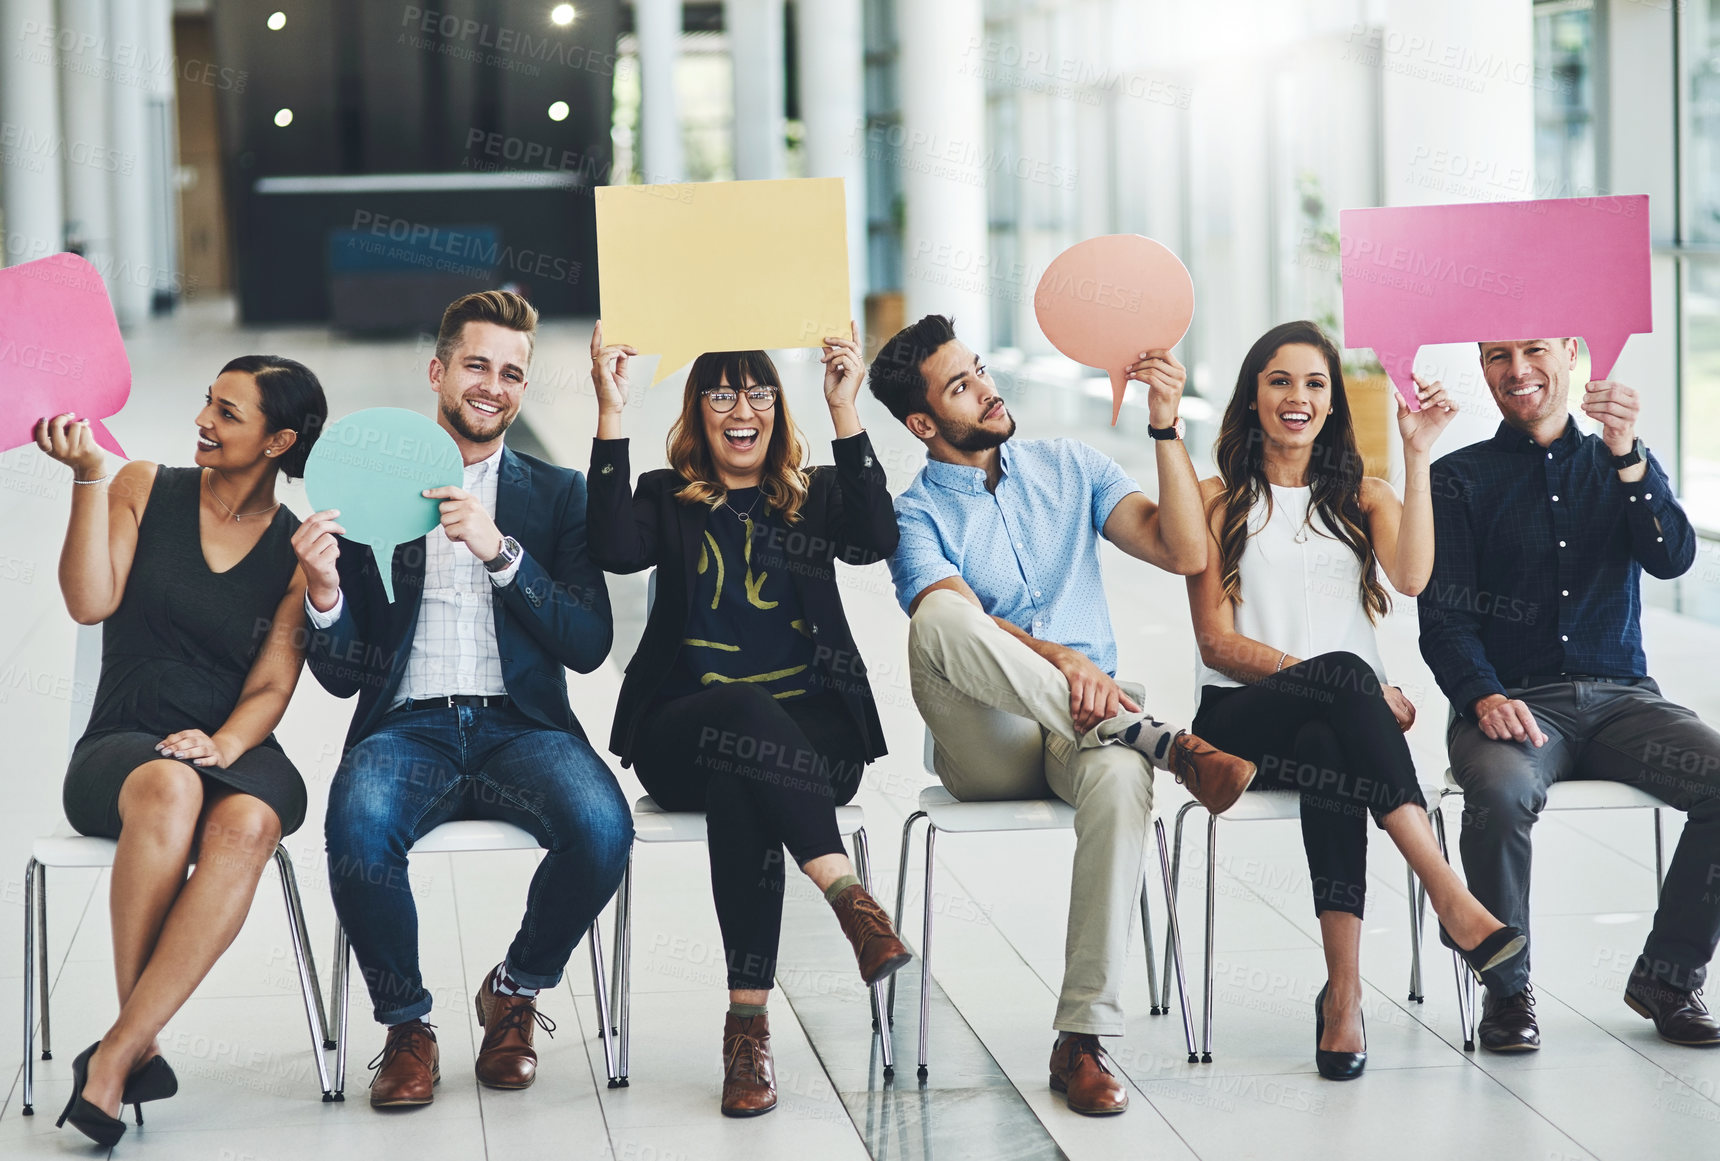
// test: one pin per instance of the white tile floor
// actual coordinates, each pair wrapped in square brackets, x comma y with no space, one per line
[1602,1087]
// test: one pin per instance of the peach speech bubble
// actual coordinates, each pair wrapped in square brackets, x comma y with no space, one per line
[1104,301]
[1496,270]
[60,350]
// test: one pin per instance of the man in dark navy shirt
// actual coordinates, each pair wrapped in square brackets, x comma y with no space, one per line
[1531,624]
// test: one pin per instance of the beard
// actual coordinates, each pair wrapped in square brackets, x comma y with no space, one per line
[457,420]
[970,437]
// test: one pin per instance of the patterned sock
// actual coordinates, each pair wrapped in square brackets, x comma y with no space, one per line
[1152,738]
[839,886]
[745,1011]
[506,985]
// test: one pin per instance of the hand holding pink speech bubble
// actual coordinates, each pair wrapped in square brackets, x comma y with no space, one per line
[1104,301]
[60,350]
[1498,270]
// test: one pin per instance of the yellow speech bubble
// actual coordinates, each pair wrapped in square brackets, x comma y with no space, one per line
[722,266]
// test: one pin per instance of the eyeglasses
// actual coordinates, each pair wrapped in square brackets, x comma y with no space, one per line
[723,399]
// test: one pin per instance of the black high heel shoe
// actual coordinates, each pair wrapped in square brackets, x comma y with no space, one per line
[85,1117]
[1336,1065]
[1504,944]
[153,1080]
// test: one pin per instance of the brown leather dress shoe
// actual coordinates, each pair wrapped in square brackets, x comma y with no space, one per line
[507,1058]
[1215,778]
[1679,1016]
[1078,1069]
[869,929]
[749,1084]
[408,1067]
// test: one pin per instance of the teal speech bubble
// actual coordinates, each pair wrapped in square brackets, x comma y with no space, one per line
[373,465]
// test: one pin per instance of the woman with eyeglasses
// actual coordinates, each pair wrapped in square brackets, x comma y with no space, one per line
[747,698]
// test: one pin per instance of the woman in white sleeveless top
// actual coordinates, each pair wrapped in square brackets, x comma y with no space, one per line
[1289,671]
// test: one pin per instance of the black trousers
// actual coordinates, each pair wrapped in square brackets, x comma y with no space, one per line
[1323,727]
[768,774]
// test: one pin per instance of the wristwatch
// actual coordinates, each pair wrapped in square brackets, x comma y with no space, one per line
[510,552]
[1630,458]
[1174,431]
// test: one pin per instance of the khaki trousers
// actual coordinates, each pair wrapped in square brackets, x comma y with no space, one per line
[1001,728]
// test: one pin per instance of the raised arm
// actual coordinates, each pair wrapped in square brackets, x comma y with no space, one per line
[1171,533]
[101,535]
[1402,531]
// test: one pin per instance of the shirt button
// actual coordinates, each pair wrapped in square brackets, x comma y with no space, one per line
[1561,544]
[1021,546]
[1549,455]
[1562,637]
[1564,592]
[1036,592]
[1555,499]
[1660,539]
[1633,499]
[1648,495]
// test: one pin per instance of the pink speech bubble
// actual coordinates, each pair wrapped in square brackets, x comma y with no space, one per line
[1104,301]
[60,350]
[1498,270]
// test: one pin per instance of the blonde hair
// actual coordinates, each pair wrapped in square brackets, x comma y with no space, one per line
[784,480]
[502,307]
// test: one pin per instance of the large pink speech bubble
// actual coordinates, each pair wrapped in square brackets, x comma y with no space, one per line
[1104,301]
[1497,270]
[60,350]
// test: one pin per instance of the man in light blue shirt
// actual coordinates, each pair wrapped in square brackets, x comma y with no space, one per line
[1011,653]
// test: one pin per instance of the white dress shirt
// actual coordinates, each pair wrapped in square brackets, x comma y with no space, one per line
[454,648]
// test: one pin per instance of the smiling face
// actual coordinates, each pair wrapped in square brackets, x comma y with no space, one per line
[232,433]
[739,439]
[1293,396]
[480,387]
[1530,379]
[967,413]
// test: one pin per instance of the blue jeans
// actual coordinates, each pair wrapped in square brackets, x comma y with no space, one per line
[425,767]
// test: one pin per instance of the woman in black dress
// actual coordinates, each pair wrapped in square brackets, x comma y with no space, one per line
[191,575]
[747,698]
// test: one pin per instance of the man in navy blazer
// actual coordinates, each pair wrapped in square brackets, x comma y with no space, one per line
[462,706]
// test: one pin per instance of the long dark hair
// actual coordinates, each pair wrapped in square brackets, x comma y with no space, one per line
[784,481]
[1334,471]
[291,399]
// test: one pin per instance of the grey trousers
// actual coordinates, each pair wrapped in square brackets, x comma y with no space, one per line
[1615,733]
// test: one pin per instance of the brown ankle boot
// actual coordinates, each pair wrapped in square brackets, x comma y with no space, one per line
[507,1058]
[749,1084]
[408,1068]
[869,929]
[1215,778]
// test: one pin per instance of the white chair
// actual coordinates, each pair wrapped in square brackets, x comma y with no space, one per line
[944,812]
[453,838]
[1575,794]
[67,850]
[651,825]
[1264,806]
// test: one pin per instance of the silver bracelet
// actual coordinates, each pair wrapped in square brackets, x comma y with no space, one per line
[1279,668]
[97,480]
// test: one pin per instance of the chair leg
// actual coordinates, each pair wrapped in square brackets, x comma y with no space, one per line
[1659,858]
[310,958]
[1211,908]
[1465,981]
[1173,886]
[1173,943]
[926,956]
[615,969]
[901,902]
[31,869]
[301,960]
[621,989]
[42,961]
[1152,960]
[1415,996]
[880,1023]
[605,1031]
[342,1006]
